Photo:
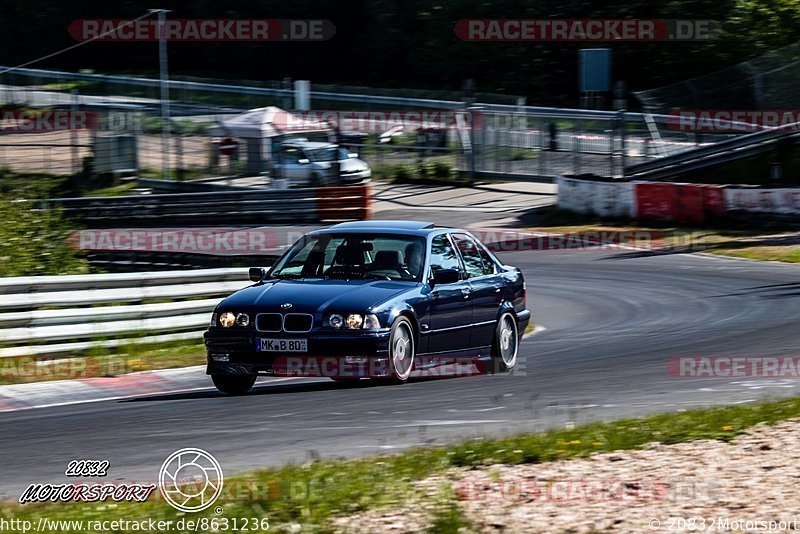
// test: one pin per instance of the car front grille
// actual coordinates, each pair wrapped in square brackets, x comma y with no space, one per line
[291,322]
[269,322]
[297,322]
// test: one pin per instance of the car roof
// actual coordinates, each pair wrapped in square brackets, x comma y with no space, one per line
[384,226]
[308,144]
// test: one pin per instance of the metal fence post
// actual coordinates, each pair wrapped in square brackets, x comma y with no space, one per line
[74,132]
[622,128]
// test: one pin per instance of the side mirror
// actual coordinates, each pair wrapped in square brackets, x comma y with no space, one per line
[352,155]
[303,161]
[446,276]
[257,274]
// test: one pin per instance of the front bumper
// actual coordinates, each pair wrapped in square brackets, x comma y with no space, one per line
[355,177]
[523,319]
[334,354]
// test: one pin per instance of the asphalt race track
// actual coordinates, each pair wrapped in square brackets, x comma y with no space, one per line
[612,321]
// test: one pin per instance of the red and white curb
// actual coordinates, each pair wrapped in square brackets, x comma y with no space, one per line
[86,390]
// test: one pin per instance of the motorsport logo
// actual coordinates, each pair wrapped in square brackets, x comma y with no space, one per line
[194,30]
[190,480]
[583,30]
[87,492]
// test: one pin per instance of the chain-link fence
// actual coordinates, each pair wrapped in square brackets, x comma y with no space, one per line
[500,136]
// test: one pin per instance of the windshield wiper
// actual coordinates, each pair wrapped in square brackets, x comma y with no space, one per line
[377,276]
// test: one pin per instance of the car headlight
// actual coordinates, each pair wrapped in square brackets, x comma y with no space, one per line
[371,322]
[336,320]
[354,320]
[227,319]
[214,319]
[242,319]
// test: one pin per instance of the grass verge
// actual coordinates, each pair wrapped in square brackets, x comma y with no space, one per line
[308,496]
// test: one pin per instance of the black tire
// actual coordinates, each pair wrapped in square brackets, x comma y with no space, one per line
[505,347]
[402,346]
[233,384]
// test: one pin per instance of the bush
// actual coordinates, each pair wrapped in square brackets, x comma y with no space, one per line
[428,171]
[34,242]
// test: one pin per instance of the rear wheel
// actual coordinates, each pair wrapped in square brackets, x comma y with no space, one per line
[401,352]
[233,384]
[506,343]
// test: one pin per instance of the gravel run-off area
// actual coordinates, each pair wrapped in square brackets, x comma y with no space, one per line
[750,484]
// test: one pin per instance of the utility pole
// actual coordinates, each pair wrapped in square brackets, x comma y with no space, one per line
[162,61]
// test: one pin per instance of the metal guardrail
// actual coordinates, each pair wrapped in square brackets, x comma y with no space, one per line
[226,207]
[38,312]
[720,152]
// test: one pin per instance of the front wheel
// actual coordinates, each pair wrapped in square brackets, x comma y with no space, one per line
[233,384]
[506,343]
[401,352]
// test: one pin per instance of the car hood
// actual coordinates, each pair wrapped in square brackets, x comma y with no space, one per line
[310,296]
[353,164]
[349,164]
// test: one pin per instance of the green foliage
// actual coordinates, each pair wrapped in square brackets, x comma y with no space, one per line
[177,126]
[34,242]
[432,171]
[412,44]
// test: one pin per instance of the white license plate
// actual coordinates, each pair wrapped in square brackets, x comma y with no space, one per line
[281,345]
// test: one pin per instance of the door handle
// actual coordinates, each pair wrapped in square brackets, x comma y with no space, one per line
[465,292]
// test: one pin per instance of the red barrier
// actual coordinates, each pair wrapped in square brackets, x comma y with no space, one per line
[689,204]
[344,202]
[714,199]
[655,201]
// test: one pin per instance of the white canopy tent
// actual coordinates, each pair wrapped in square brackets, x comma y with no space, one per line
[262,129]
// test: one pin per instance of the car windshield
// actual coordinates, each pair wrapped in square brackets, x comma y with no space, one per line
[327,154]
[347,257]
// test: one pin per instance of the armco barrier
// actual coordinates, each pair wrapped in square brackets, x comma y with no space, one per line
[38,314]
[691,204]
[304,205]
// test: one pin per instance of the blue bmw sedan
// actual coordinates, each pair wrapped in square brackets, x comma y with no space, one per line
[370,299]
